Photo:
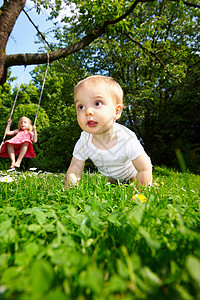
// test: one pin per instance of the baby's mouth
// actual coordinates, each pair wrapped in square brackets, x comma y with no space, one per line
[92,123]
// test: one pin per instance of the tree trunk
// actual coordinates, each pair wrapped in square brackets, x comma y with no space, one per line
[8,16]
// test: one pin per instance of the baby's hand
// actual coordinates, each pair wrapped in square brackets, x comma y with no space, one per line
[34,127]
[71,181]
[9,120]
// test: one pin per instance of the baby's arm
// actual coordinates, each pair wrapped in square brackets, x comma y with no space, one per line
[74,172]
[143,165]
[34,134]
[8,131]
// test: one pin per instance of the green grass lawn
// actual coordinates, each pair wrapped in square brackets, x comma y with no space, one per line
[96,241]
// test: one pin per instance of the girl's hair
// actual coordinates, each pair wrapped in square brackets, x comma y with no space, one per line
[30,127]
[114,86]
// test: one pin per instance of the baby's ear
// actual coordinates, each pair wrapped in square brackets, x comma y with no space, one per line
[118,108]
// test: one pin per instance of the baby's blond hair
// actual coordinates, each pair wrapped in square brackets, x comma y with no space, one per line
[115,88]
[30,128]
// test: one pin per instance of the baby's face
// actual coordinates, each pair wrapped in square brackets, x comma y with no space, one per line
[95,107]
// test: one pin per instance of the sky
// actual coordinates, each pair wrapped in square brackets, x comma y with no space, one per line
[23,37]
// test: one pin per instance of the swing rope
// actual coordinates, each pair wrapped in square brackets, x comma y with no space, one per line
[14,104]
[42,88]
[18,93]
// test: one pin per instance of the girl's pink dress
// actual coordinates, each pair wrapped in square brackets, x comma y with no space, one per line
[17,141]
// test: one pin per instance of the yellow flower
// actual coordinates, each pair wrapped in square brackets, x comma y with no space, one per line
[162,183]
[141,197]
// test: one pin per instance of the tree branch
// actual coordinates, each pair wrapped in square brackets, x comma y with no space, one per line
[126,14]
[44,39]
[150,52]
[187,3]
[38,31]
[40,58]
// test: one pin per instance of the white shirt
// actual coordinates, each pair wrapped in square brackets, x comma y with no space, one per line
[115,162]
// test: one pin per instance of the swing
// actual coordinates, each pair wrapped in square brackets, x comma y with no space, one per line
[18,93]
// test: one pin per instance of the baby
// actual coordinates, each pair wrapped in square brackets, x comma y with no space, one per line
[113,148]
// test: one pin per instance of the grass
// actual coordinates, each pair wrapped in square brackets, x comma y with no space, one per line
[96,241]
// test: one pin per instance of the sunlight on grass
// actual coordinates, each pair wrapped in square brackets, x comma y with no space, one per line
[99,240]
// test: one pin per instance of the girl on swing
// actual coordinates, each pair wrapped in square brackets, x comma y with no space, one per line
[21,143]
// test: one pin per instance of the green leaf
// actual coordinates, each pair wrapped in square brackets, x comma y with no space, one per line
[135,216]
[56,294]
[68,241]
[116,284]
[193,267]
[92,278]
[113,218]
[153,244]
[79,219]
[150,277]
[4,226]
[41,217]
[4,257]
[34,227]
[61,228]
[184,294]
[41,277]
[122,269]
[85,231]
[49,227]
[136,261]
[32,249]
[72,211]
[21,259]
[10,236]
[10,274]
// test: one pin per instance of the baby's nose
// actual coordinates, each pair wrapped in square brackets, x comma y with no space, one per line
[89,111]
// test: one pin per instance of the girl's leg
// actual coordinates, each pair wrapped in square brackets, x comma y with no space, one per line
[22,152]
[11,153]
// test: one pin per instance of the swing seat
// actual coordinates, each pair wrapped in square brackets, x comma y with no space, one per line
[17,141]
